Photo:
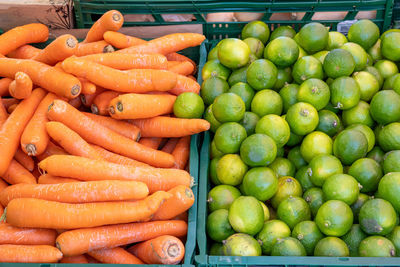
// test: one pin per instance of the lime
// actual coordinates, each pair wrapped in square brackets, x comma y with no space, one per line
[221,197]
[214,68]
[287,186]
[341,187]
[246,215]
[282,51]
[353,239]
[377,217]
[217,249]
[323,166]
[392,83]
[386,32]
[308,234]
[370,61]
[256,29]
[385,107]
[261,74]
[233,53]
[321,55]
[296,158]
[258,150]
[213,87]
[270,233]
[358,114]
[390,46]
[241,245]
[339,62]
[280,152]
[376,246]
[334,218]
[302,118]
[391,162]
[266,211]
[283,30]
[367,83]
[374,71]
[304,178]
[386,68]
[376,154]
[389,137]
[302,53]
[218,227]
[213,171]
[345,93]
[369,134]
[367,172]
[307,67]
[288,94]
[349,146]
[214,152]
[244,91]
[362,198]
[313,37]
[358,53]
[229,136]
[231,169]
[188,105]
[294,139]
[256,46]
[315,92]
[275,127]
[284,77]
[329,123]
[315,198]
[249,122]
[267,102]
[288,246]
[238,75]
[209,116]
[375,51]
[283,167]
[213,54]
[293,210]
[228,107]
[394,236]
[331,247]
[335,40]
[389,189]
[314,144]
[364,32]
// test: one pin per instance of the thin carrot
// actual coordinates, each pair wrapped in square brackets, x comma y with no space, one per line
[4,84]
[87,87]
[71,216]
[21,87]
[182,199]
[181,152]
[35,139]
[62,47]
[17,174]
[180,57]
[24,160]
[80,241]
[50,179]
[110,21]
[74,259]
[152,142]
[7,102]
[120,40]
[12,108]
[84,49]
[164,249]
[19,36]
[115,256]
[26,236]
[170,127]
[3,184]
[24,52]
[29,254]
[182,68]
[118,159]
[75,102]
[131,81]
[101,103]
[51,149]
[97,134]
[170,145]
[47,77]
[93,170]
[185,84]
[13,127]
[70,140]
[87,99]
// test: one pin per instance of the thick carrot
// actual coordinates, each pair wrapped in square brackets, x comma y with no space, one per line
[130,61]
[170,127]
[26,236]
[74,259]
[24,52]
[50,179]
[35,139]
[79,241]
[101,103]
[84,49]
[182,68]
[92,170]
[185,84]
[62,47]
[13,127]
[70,140]
[24,160]
[180,57]
[120,40]
[152,142]
[51,149]
[17,174]
[115,256]
[164,249]
[97,134]
[12,108]
[183,216]
[78,192]
[7,102]
[75,102]
[181,201]
[3,184]
[87,99]
[47,77]
[123,128]
[39,213]
[91,259]
[170,145]
[21,87]
[181,152]
[131,81]
[4,85]
[29,254]
[167,44]
[19,36]
[87,87]
[110,21]
[118,159]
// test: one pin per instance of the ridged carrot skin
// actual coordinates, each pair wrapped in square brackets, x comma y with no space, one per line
[183,68]
[21,87]
[120,40]
[4,84]
[17,174]
[74,259]
[80,241]
[112,20]
[62,47]
[118,159]
[101,103]
[182,199]
[26,236]
[115,256]
[185,84]
[24,52]
[181,58]
[181,152]
[29,254]
[50,179]
[85,49]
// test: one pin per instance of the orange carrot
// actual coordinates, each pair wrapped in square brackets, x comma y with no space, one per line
[170,145]
[3,113]
[35,139]
[179,57]
[101,103]
[92,170]
[91,259]
[152,142]
[118,159]
[24,160]
[13,127]
[1,211]
[71,216]
[182,68]
[115,256]
[181,152]
[21,87]
[51,149]
[7,102]
[26,236]
[131,81]
[16,174]
[87,87]
[12,108]
[75,102]
[50,179]
[47,77]
[4,84]
[164,249]
[79,241]
[87,99]
[185,84]
[19,36]
[183,216]
[170,127]
[62,47]
[74,259]
[192,77]
[32,254]
[120,40]
[110,21]
[24,52]
[84,49]
[182,199]
[97,134]
[3,184]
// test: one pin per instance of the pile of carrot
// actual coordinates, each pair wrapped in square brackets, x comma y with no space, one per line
[93,164]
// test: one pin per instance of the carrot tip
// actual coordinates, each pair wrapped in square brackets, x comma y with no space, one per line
[76,89]
[120,107]
[116,17]
[108,49]
[71,42]
[50,106]
[173,250]
[31,149]
[112,110]
[94,109]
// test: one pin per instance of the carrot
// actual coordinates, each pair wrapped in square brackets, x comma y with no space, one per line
[13,127]
[131,81]
[185,84]
[84,49]
[130,61]
[110,21]
[101,103]
[192,77]
[7,102]
[29,254]
[47,77]
[26,236]
[182,68]
[115,256]
[21,87]
[17,174]
[91,259]
[181,152]
[74,259]
[4,84]
[87,87]
[167,44]
[170,145]
[1,211]
[170,127]
[180,57]
[62,47]
[183,216]
[181,201]
[164,249]
[51,149]
[3,113]
[152,142]
[35,139]
[3,184]
[78,192]
[118,159]
[79,241]
[24,160]
[87,99]
[50,179]
[71,216]
[97,134]
[24,52]
[120,40]
[19,36]
[75,102]
[12,108]
[123,128]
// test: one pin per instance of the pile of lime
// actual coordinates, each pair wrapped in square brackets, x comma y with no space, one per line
[305,158]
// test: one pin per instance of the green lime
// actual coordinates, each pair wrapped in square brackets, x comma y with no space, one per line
[374,71]
[334,218]
[385,107]
[341,187]
[358,53]
[392,83]
[244,91]
[246,215]
[302,118]
[209,116]
[266,211]
[213,54]
[394,236]
[241,245]
[315,92]
[375,51]
[221,197]
[364,32]
[270,233]
[391,161]
[331,247]
[386,68]
[229,136]
[288,94]
[188,105]
[339,62]
[228,107]
[213,87]
[249,122]
[315,198]
[370,61]
[376,154]
[303,177]
[293,210]
[294,139]
[377,131]
[214,68]
[258,150]
[367,83]
[256,29]
[358,114]
[238,75]
[287,186]
[386,32]
[307,67]
[369,134]
[275,127]
[302,53]
[261,74]
[283,30]
[231,169]
[280,152]
[267,102]
[389,189]
[282,51]
[321,55]
[308,234]
[256,46]
[214,152]
[218,227]
[362,198]
[314,144]
[296,158]
[349,146]
[284,77]
[288,246]
[335,40]
[376,246]
[313,37]
[390,46]
[345,93]
[213,171]
[377,217]
[217,249]
[329,123]
[233,53]
[367,172]
[353,239]
[389,137]
[323,166]
[283,167]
